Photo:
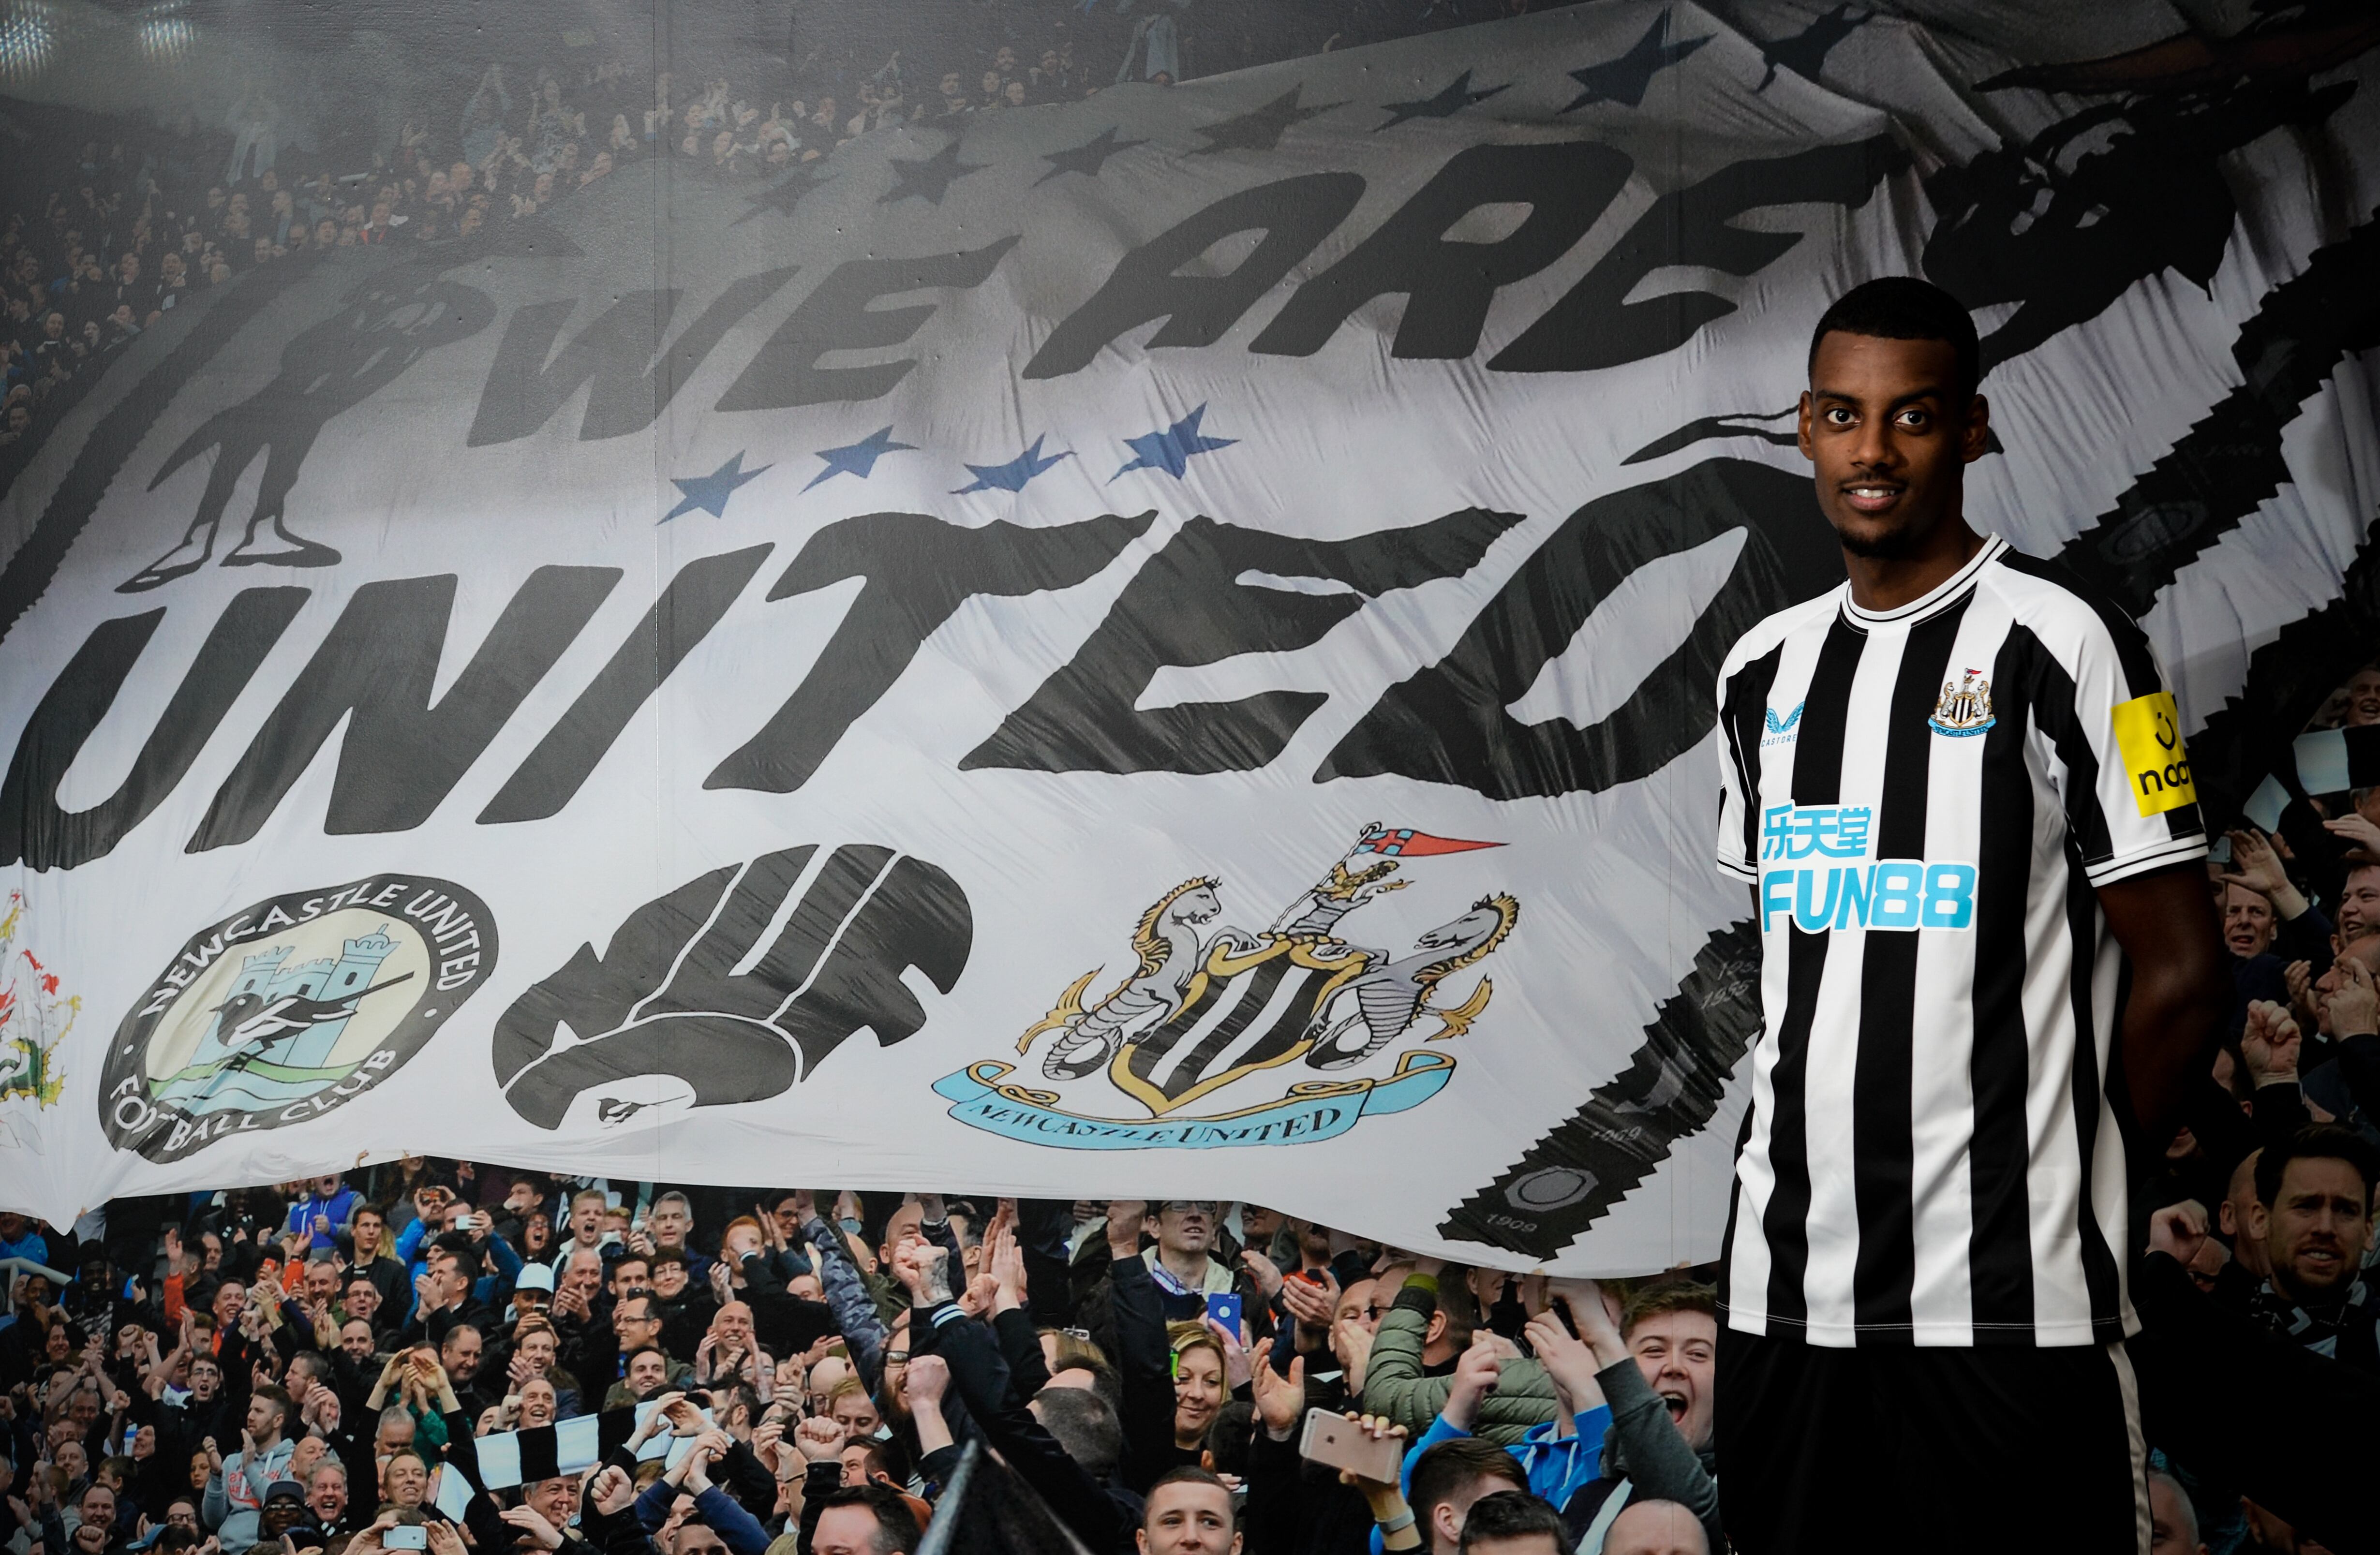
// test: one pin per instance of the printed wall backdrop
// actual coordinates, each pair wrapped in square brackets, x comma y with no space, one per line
[1161,644]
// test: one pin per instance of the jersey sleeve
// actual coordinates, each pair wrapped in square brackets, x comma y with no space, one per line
[1734,843]
[2132,804]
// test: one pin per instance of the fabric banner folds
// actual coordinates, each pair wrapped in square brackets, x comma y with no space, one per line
[1158,644]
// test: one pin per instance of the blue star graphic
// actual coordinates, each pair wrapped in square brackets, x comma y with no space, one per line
[710,492]
[859,458]
[1012,476]
[1170,450]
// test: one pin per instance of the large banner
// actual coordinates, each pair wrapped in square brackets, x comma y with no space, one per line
[1161,644]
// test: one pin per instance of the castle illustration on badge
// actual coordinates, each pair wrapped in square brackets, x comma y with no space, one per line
[1208,1014]
[1966,708]
[279,1013]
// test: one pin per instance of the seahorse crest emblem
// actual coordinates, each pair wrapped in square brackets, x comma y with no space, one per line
[1212,1014]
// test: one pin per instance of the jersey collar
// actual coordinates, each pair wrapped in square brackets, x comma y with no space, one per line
[1942,594]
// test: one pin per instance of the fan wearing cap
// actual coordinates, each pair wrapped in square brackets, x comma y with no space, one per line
[532,1290]
[284,1509]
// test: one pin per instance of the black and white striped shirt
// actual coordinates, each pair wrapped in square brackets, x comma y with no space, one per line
[1923,800]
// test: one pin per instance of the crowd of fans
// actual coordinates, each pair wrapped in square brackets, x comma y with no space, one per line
[320,1366]
[117,222]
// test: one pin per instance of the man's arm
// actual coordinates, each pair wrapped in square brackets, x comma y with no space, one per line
[1394,1386]
[2164,921]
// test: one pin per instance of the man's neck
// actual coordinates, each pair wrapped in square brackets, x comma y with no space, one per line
[1188,1267]
[2319,1303]
[1881,583]
[265,1444]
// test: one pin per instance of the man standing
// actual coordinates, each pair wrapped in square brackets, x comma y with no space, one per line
[236,1490]
[1958,789]
[368,1259]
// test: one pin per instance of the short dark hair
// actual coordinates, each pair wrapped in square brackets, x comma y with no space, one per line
[1443,1470]
[1674,1295]
[1904,308]
[1085,1423]
[2316,1142]
[1514,1514]
[1186,1475]
[896,1526]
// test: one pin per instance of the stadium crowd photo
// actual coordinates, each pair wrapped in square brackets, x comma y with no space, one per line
[428,1355]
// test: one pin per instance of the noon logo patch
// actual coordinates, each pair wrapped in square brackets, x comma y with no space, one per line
[284,1012]
[2148,735]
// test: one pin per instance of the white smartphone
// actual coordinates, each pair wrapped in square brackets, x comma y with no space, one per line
[1338,1442]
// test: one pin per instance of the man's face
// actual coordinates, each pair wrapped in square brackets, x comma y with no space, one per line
[1188,1518]
[447,1278]
[1187,1226]
[646,1375]
[182,1515]
[230,1296]
[281,1514]
[2363,700]
[263,1416]
[630,1274]
[205,1378]
[356,1339]
[321,1281]
[857,1415]
[99,1505]
[536,1348]
[554,1499]
[362,1299]
[1884,425]
[460,1355]
[1676,1350]
[855,1464]
[901,1230]
[406,1480]
[636,1323]
[2247,921]
[327,1495]
[2359,904]
[733,1325]
[669,1224]
[2316,1227]
[1356,1305]
[842,1530]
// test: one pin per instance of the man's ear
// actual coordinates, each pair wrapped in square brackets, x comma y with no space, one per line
[1445,1526]
[1140,1536]
[1436,1329]
[1801,427]
[1976,439]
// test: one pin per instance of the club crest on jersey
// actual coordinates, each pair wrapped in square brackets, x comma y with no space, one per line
[1207,1015]
[1966,708]
[1781,730]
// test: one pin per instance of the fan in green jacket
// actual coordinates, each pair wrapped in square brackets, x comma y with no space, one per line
[1394,1384]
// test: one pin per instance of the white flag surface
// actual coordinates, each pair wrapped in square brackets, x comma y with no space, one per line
[1159,644]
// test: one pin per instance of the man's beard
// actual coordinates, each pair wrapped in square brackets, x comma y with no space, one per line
[1891,546]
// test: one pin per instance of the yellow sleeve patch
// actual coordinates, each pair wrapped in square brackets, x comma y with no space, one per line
[2149,736]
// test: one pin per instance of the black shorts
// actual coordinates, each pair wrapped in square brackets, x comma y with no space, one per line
[1820,1449]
